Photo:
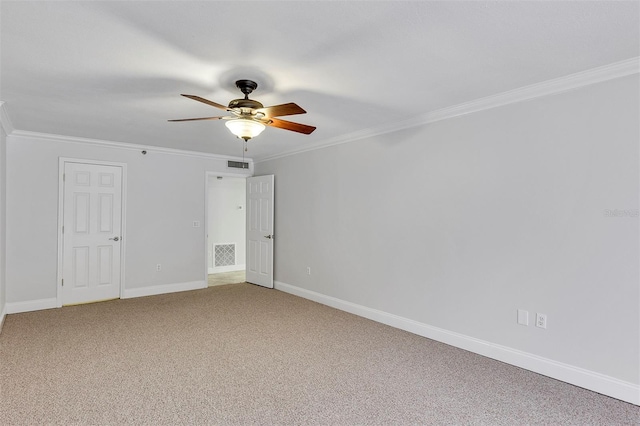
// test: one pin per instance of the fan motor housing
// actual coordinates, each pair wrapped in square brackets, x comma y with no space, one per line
[245,103]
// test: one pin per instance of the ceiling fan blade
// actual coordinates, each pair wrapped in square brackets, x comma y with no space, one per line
[207,101]
[288,125]
[280,110]
[194,119]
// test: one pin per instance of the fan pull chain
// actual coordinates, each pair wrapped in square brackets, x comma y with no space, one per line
[243,151]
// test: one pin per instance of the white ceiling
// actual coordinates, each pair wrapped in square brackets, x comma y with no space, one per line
[114,70]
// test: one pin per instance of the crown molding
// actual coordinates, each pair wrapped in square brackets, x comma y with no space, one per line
[550,87]
[124,145]
[5,122]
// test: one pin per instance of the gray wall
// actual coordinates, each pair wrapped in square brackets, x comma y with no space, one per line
[3,245]
[165,194]
[459,223]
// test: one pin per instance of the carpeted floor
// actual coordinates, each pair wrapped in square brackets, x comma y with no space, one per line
[243,354]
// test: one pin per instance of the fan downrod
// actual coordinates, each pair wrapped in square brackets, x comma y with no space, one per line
[246,87]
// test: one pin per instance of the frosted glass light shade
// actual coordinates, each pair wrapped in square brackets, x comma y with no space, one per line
[245,129]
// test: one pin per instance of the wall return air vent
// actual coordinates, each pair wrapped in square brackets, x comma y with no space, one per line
[224,254]
[237,165]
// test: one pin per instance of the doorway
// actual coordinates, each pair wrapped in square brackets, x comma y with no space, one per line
[226,229]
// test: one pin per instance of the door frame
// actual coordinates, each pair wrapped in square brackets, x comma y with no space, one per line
[61,164]
[205,225]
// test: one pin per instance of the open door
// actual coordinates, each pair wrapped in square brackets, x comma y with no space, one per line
[260,230]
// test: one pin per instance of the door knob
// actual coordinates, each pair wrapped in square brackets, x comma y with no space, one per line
[115,238]
[268,237]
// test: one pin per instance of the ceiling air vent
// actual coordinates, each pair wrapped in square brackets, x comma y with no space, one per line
[237,165]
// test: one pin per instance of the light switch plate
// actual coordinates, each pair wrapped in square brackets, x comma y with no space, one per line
[523,317]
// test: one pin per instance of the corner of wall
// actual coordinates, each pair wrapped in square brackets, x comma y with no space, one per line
[5,128]
[5,121]
[3,314]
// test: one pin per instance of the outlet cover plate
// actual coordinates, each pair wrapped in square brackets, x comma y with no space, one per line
[541,320]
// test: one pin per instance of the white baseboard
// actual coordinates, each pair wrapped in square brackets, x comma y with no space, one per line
[587,379]
[162,289]
[37,305]
[230,268]
[31,305]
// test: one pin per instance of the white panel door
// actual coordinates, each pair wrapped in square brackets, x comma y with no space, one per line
[260,230]
[92,223]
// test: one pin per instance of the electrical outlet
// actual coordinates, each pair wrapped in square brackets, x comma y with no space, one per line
[158,267]
[308,270]
[523,317]
[196,224]
[541,320]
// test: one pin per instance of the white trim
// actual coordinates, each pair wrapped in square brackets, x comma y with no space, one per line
[545,88]
[205,225]
[229,268]
[38,305]
[5,121]
[3,314]
[587,379]
[31,305]
[129,146]
[61,162]
[123,227]
[163,289]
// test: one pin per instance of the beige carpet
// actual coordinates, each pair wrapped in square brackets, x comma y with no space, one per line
[242,354]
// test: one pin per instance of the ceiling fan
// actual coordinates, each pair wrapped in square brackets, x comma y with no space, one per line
[250,117]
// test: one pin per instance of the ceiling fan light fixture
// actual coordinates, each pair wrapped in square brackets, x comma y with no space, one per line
[250,117]
[245,128]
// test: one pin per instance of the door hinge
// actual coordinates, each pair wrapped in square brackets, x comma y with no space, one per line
[63,282]
[63,229]
[64,177]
